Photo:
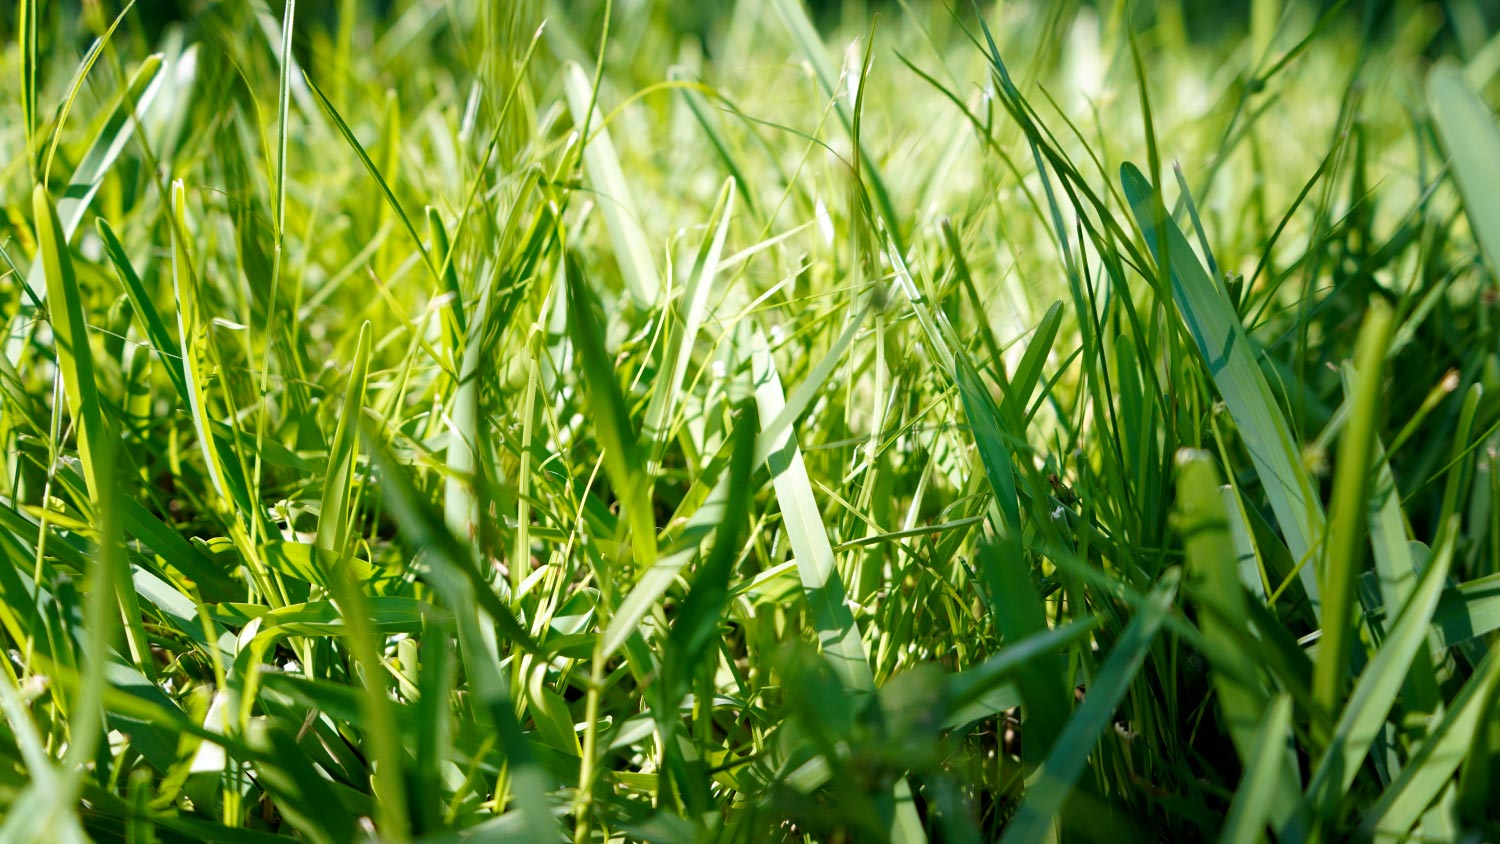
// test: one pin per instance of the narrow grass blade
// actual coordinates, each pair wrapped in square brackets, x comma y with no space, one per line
[611,420]
[338,481]
[1065,763]
[1344,552]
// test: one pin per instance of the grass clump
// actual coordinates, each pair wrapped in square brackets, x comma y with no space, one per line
[551,421]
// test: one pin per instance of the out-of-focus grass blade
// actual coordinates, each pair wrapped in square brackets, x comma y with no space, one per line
[1214,586]
[1378,685]
[1431,768]
[97,161]
[79,75]
[1231,359]
[1054,781]
[1344,551]
[794,14]
[365,645]
[333,517]
[1469,131]
[1265,770]
[632,249]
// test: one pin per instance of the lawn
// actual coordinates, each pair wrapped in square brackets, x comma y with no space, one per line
[651,420]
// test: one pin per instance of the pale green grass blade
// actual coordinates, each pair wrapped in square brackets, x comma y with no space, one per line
[633,250]
[1230,356]
[1256,797]
[1431,768]
[1469,131]
[838,633]
[1054,781]
[1378,685]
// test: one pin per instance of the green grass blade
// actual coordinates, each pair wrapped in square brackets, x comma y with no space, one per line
[1469,131]
[1054,781]
[1378,685]
[1344,552]
[338,481]
[1230,356]
[1255,799]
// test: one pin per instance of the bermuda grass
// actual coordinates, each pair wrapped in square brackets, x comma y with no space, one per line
[531,420]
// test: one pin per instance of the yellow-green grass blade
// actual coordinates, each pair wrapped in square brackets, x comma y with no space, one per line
[633,251]
[343,450]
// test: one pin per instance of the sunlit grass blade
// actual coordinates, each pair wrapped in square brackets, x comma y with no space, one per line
[633,251]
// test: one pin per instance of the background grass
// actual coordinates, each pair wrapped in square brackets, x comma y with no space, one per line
[526,421]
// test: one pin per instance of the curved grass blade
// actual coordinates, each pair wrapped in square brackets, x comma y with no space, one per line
[1469,131]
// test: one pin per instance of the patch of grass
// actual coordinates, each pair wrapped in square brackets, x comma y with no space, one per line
[591,421]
